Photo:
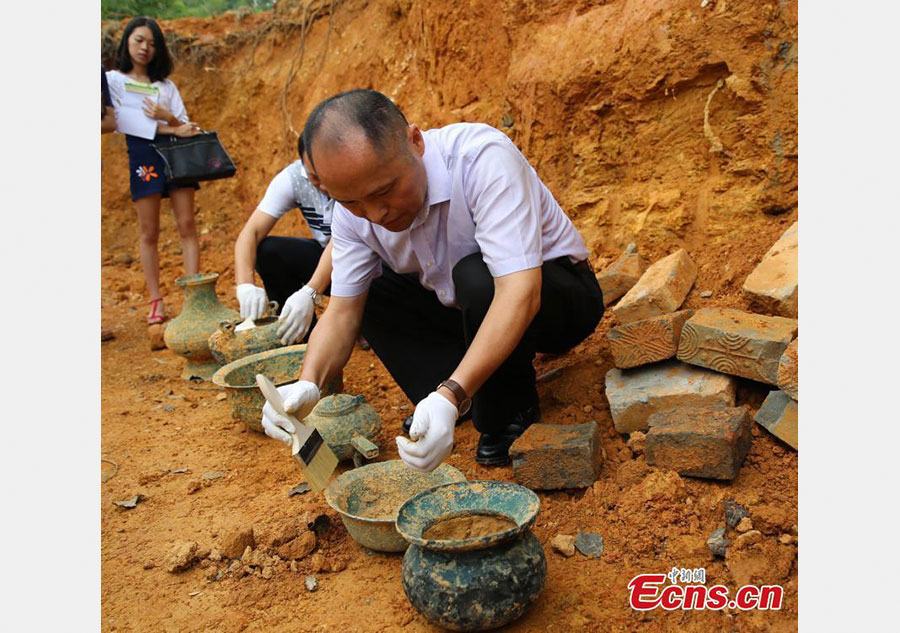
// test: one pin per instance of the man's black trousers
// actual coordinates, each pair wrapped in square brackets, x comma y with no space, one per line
[285,264]
[421,341]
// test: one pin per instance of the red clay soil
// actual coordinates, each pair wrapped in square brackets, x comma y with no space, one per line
[617,106]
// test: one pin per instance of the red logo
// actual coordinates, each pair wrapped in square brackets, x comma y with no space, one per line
[646,592]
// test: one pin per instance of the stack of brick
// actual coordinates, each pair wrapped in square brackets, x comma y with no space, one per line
[687,405]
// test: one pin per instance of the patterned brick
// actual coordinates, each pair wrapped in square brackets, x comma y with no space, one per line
[736,343]
[660,290]
[708,442]
[772,286]
[647,341]
[635,394]
[788,367]
[620,276]
[552,456]
[778,415]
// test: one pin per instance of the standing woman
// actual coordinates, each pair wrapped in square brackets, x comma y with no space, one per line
[144,58]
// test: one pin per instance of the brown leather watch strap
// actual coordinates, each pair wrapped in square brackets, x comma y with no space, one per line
[463,401]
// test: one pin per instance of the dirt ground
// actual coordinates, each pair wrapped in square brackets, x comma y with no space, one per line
[608,100]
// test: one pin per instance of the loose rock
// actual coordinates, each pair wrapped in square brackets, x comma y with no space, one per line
[299,547]
[744,525]
[237,541]
[182,555]
[717,542]
[734,512]
[155,334]
[564,544]
[589,544]
[311,583]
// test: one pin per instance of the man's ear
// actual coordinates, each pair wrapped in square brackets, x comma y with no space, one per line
[415,138]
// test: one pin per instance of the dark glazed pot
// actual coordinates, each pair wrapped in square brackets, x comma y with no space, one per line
[475,583]
[188,333]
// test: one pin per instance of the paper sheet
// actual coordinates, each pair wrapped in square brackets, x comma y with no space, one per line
[130,117]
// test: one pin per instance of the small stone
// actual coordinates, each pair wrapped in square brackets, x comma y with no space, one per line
[128,504]
[706,294]
[155,334]
[248,553]
[554,456]
[234,566]
[589,544]
[718,543]
[619,277]
[787,539]
[267,572]
[564,544]
[182,555]
[708,442]
[734,512]
[744,525]
[637,442]
[648,340]
[215,555]
[212,475]
[588,408]
[294,566]
[168,408]
[149,564]
[123,259]
[660,290]
[311,583]
[772,286]
[788,368]
[635,394]
[736,343]
[221,396]
[779,416]
[237,542]
[299,489]
[214,575]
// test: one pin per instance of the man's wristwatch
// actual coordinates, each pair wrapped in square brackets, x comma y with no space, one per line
[464,402]
[317,299]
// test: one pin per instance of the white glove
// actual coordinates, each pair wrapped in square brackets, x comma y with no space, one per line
[252,300]
[299,399]
[434,421]
[296,315]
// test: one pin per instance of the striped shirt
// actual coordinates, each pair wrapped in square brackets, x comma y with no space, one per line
[291,189]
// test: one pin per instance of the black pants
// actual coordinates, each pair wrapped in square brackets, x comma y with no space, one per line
[421,341]
[286,264]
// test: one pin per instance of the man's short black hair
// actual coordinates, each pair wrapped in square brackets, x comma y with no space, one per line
[372,112]
[300,146]
[160,66]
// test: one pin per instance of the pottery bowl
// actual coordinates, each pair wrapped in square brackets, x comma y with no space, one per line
[367,498]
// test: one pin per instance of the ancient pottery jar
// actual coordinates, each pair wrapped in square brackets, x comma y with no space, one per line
[368,497]
[228,345]
[282,366]
[344,421]
[477,578]
[188,333]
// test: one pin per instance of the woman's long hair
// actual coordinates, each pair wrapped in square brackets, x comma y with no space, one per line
[160,66]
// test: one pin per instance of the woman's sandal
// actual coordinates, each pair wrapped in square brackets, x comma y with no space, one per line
[157,312]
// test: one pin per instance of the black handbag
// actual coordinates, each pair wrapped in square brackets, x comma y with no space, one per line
[193,158]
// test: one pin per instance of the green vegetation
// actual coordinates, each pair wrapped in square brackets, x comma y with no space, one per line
[167,9]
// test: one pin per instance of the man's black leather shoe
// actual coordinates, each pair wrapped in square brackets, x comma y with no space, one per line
[493,448]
